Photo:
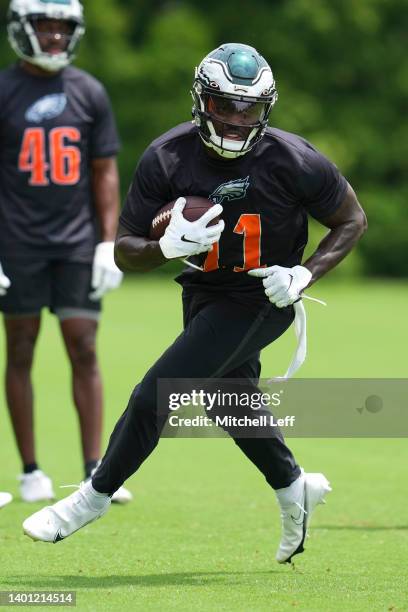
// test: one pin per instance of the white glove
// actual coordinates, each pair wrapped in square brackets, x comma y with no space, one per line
[105,273]
[184,238]
[283,286]
[4,282]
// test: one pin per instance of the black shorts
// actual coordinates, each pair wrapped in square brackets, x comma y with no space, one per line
[60,285]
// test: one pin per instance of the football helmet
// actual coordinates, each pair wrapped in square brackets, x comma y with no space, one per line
[24,37]
[233,93]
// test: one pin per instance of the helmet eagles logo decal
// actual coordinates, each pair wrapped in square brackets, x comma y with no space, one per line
[232,190]
[47,107]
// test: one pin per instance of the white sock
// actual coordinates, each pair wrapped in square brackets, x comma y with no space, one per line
[291,494]
[98,499]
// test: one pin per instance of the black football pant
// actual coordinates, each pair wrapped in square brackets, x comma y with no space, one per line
[221,338]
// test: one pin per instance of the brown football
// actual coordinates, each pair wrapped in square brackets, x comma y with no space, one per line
[195,207]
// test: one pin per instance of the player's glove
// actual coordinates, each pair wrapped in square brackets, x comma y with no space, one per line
[105,273]
[184,238]
[4,282]
[283,286]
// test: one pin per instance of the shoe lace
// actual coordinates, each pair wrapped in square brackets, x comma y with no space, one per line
[73,486]
[78,495]
[79,489]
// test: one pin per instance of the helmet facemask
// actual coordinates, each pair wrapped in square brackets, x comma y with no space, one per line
[230,125]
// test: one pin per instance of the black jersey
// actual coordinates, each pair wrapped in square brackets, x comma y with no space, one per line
[266,196]
[50,129]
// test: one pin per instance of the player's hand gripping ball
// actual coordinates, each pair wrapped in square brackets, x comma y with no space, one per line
[186,227]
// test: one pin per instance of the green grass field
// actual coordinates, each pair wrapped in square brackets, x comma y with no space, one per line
[203,529]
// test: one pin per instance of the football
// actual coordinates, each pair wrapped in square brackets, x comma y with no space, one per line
[195,207]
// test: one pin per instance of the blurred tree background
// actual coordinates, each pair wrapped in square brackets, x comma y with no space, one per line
[342,74]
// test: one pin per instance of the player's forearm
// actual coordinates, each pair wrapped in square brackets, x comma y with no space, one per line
[334,247]
[138,254]
[106,197]
[347,224]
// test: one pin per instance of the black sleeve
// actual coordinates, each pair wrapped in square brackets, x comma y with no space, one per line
[148,192]
[104,140]
[322,186]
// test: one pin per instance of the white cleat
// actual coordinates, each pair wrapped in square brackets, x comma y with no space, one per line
[35,487]
[57,522]
[296,515]
[122,496]
[5,498]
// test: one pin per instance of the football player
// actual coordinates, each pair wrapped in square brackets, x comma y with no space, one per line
[264,182]
[59,200]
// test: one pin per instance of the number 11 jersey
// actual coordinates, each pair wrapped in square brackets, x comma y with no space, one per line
[266,196]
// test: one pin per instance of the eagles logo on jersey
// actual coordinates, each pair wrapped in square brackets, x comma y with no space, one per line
[46,107]
[231,190]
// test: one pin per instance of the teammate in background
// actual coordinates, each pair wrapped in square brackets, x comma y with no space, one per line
[59,202]
[264,182]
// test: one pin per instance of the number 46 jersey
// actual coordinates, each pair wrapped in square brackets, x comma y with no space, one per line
[50,129]
[266,196]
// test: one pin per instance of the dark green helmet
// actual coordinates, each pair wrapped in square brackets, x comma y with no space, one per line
[233,93]
[21,26]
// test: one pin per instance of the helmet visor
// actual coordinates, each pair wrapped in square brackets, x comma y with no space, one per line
[234,119]
[235,111]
